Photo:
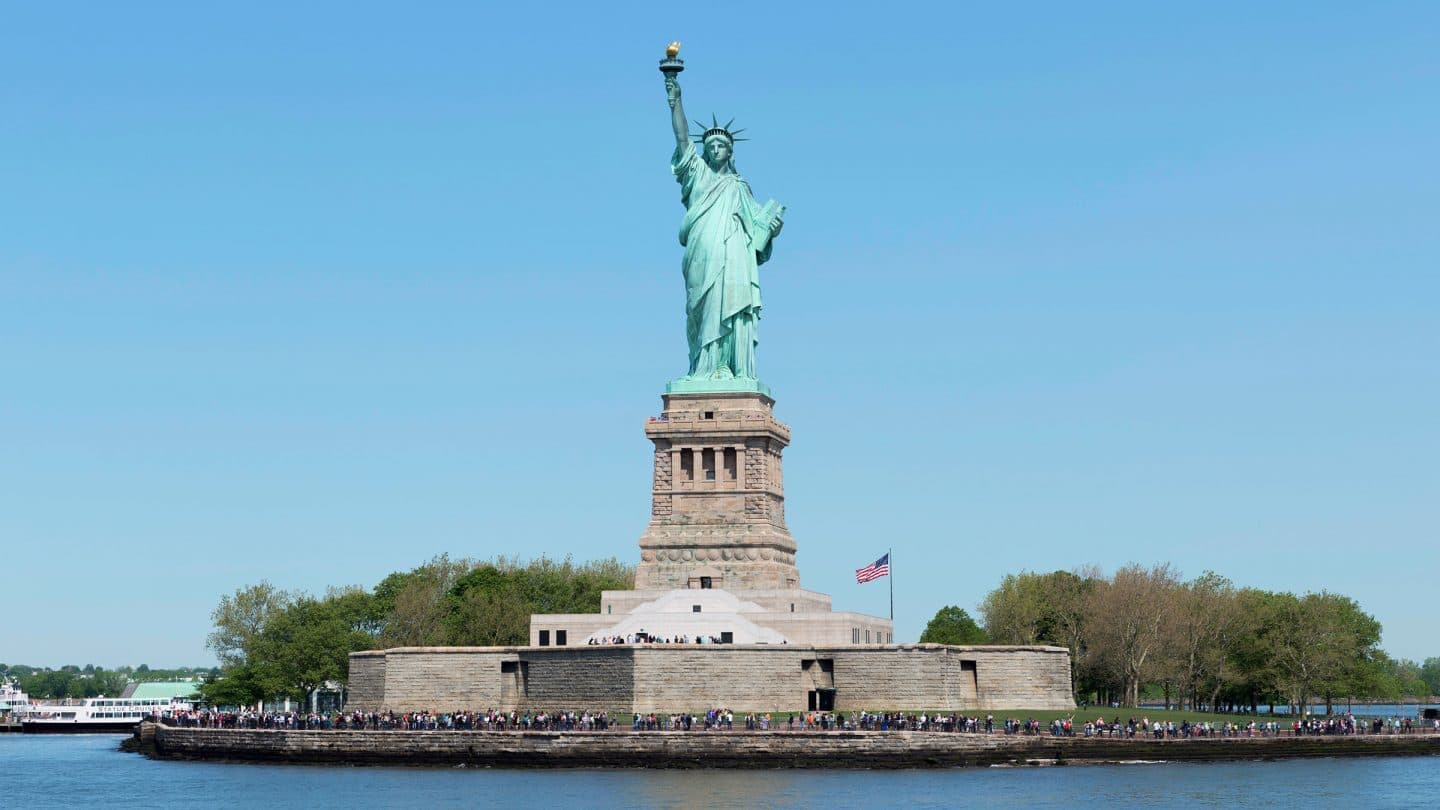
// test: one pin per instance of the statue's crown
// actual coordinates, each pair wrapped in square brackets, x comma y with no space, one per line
[715,129]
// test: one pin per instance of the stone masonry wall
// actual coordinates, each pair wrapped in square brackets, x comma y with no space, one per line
[1008,680]
[896,678]
[692,677]
[442,678]
[663,472]
[367,679]
[576,677]
[658,749]
[687,678]
[756,473]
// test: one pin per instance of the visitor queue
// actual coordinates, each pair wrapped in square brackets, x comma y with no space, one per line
[723,719]
[395,721]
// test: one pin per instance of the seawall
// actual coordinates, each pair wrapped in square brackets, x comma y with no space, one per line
[627,749]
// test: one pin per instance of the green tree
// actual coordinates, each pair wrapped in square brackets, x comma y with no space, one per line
[239,620]
[49,684]
[1203,629]
[274,643]
[1014,613]
[1129,617]
[1321,645]
[486,617]
[1430,674]
[108,683]
[1030,608]
[415,604]
[305,645]
[952,625]
[1391,678]
[239,686]
[492,603]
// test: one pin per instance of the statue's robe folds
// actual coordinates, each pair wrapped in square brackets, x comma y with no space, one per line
[725,243]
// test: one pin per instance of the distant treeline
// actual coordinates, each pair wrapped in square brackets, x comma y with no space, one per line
[73,681]
[275,643]
[1202,643]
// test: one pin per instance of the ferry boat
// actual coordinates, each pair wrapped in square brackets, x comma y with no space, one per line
[96,715]
[12,697]
[13,701]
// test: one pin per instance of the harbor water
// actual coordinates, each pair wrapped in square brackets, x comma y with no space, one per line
[67,771]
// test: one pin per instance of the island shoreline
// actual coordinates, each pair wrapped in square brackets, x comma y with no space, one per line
[732,750]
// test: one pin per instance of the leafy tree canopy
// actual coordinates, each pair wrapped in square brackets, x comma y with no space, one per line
[952,625]
[274,643]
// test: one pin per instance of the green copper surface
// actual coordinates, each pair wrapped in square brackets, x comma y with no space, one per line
[734,385]
[727,235]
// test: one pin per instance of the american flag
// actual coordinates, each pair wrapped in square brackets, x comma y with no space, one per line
[875,570]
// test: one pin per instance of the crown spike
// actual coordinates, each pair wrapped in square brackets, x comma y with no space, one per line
[716,129]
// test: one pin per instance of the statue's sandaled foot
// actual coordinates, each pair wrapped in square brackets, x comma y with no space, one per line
[723,373]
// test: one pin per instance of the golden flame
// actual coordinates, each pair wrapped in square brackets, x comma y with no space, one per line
[673,49]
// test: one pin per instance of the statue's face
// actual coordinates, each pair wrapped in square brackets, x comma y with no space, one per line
[717,152]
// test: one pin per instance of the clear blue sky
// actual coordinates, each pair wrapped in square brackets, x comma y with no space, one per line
[312,292]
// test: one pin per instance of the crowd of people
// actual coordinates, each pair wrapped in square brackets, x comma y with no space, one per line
[712,719]
[491,720]
[723,719]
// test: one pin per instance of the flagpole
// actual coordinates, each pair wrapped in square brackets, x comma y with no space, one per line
[891,554]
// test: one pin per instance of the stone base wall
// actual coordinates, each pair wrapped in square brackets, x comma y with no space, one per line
[367,677]
[658,749]
[462,677]
[743,678]
[759,678]
[1007,680]
[592,676]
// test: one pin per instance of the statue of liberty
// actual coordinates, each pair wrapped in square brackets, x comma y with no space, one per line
[726,236]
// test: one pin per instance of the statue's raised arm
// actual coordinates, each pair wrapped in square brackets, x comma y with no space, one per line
[678,122]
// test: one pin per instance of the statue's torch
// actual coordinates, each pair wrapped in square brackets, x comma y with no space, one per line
[672,64]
